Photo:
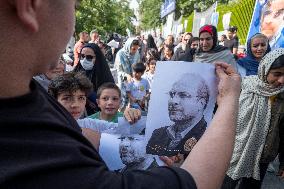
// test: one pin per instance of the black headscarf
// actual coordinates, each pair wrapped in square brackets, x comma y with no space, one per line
[100,73]
[151,42]
[212,30]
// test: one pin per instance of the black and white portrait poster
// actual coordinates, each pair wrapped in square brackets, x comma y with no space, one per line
[127,150]
[181,106]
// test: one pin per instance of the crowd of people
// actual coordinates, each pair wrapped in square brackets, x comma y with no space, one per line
[52,118]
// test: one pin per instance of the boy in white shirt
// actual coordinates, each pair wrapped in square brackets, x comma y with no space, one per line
[138,89]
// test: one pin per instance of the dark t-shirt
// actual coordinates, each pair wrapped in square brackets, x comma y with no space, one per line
[183,55]
[42,147]
[231,43]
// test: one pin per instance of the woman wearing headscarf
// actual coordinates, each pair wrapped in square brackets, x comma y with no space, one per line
[93,63]
[124,59]
[257,48]
[151,43]
[209,50]
[259,132]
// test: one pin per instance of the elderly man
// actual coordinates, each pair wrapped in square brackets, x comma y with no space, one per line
[188,99]
[133,154]
[184,52]
[42,146]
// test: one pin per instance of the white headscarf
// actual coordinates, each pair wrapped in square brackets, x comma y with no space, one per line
[253,120]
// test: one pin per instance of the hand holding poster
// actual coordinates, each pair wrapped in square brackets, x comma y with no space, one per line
[181,106]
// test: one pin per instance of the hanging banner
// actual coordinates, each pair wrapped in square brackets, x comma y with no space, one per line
[226,20]
[202,18]
[268,19]
[214,19]
[167,7]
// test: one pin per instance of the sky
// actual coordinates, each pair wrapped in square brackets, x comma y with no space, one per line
[133,4]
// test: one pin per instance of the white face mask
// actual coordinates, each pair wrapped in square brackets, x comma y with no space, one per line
[86,64]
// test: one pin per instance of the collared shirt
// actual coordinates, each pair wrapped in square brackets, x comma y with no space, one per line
[172,134]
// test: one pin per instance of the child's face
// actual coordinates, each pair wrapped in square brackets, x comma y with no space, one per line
[168,52]
[74,102]
[137,75]
[275,77]
[109,102]
[152,66]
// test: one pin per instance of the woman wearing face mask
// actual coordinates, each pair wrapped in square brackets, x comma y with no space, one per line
[92,62]
[209,51]
[125,57]
[260,126]
[257,47]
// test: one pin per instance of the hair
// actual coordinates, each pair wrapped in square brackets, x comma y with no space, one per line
[151,42]
[69,82]
[223,35]
[278,63]
[188,33]
[170,47]
[171,36]
[81,34]
[135,42]
[149,61]
[93,31]
[138,67]
[193,39]
[107,85]
[153,53]
[260,35]
[232,29]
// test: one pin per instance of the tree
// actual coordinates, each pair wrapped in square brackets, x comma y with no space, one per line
[106,16]
[149,11]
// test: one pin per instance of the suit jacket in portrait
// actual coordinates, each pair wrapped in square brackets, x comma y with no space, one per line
[160,140]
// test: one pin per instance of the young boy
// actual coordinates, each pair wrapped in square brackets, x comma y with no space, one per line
[138,89]
[108,100]
[71,90]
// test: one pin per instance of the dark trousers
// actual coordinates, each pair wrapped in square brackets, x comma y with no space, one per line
[245,183]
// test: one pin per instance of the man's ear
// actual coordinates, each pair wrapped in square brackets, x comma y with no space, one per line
[27,11]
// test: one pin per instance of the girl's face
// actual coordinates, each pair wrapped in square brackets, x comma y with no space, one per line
[275,77]
[152,66]
[258,47]
[168,52]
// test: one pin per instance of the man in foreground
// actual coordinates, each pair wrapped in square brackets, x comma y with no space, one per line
[42,145]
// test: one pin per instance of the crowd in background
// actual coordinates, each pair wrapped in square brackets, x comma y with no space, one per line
[129,64]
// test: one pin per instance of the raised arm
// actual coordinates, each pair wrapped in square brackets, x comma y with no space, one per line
[209,159]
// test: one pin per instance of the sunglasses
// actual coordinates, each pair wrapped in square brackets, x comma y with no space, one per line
[88,57]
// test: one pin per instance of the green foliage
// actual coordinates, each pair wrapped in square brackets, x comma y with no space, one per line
[105,15]
[150,13]
[241,16]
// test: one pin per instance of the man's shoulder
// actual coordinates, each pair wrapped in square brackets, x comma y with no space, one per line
[160,130]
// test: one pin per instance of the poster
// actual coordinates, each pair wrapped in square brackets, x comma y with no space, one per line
[268,18]
[127,150]
[180,108]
